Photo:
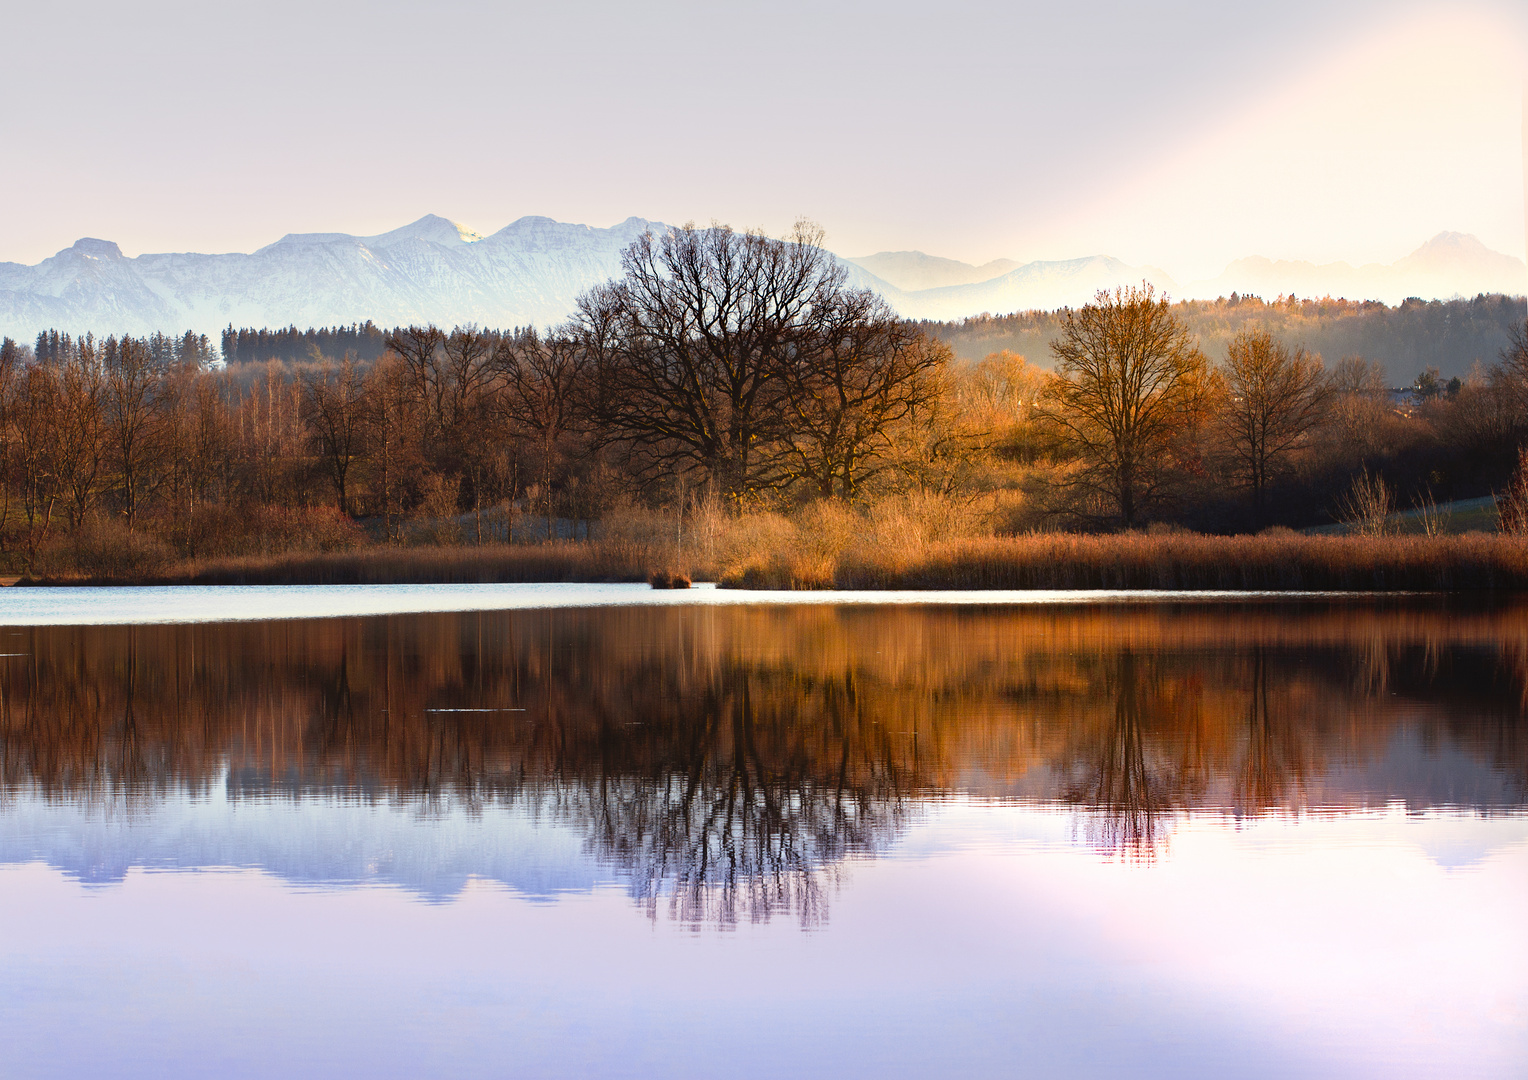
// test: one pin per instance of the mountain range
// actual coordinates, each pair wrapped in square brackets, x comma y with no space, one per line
[529,272]
[532,271]
[1450,264]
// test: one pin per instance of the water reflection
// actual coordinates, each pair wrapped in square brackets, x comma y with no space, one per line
[726,761]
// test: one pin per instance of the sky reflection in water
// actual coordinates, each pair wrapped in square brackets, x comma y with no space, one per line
[1104,840]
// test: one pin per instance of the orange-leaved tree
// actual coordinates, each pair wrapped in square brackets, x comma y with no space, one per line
[1130,384]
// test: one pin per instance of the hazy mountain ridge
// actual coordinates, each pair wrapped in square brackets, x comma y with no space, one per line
[532,271]
[1036,285]
[1450,264]
[912,271]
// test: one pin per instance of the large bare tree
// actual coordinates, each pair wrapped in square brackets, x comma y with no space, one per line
[1275,396]
[132,379]
[34,416]
[335,410]
[689,345]
[1130,382]
[543,379]
[391,438]
[1509,375]
[81,434]
[846,387]
[420,349]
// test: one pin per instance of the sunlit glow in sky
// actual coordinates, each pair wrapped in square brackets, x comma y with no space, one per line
[1359,158]
[1181,135]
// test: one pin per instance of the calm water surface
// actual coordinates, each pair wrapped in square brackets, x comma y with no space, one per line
[590,835]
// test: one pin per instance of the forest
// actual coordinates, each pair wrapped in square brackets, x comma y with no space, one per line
[729,398]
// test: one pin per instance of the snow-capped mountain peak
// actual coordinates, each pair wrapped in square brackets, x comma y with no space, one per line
[92,248]
[546,234]
[432,228]
[432,270]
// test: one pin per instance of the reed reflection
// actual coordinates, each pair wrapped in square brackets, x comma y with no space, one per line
[728,760]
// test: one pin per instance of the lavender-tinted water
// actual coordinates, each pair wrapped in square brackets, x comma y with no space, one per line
[1170,838]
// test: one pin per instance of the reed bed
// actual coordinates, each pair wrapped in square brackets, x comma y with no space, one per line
[1280,562]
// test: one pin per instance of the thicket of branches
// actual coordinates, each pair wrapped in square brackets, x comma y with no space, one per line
[721,368]
[1148,428]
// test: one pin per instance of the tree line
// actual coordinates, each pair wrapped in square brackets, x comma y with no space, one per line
[721,366]
[366,341]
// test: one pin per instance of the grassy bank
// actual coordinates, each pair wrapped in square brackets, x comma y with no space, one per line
[1277,562]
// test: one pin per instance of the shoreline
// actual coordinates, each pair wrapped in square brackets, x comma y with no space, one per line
[1129,562]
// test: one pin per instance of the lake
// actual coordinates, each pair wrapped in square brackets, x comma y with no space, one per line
[601,831]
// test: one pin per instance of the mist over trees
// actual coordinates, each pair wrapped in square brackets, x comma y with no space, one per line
[722,375]
[1450,335]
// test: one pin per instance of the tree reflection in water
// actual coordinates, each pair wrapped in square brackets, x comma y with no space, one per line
[1276,758]
[729,760]
[738,796]
[1125,788]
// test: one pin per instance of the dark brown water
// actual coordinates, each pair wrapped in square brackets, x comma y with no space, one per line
[1262,839]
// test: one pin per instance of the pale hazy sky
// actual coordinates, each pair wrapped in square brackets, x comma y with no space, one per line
[1180,134]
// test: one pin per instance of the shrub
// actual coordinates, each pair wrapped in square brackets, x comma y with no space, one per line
[1367,506]
[103,549]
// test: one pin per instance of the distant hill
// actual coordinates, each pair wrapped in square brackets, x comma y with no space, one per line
[1450,264]
[1032,286]
[912,271]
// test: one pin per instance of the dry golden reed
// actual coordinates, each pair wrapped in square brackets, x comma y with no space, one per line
[1273,562]
[841,549]
[554,562]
